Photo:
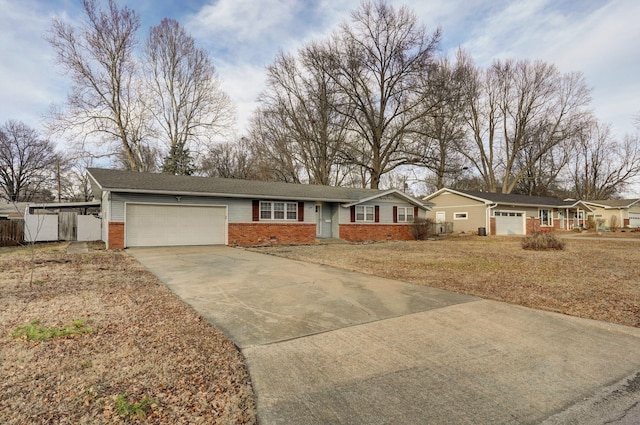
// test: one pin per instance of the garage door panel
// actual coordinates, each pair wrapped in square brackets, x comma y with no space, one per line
[509,223]
[634,219]
[173,225]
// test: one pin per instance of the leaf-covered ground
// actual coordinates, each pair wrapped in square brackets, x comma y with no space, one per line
[596,279]
[148,357]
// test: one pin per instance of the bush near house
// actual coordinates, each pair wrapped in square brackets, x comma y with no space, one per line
[541,241]
[422,228]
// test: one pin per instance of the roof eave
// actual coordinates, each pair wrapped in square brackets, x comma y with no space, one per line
[413,201]
[224,195]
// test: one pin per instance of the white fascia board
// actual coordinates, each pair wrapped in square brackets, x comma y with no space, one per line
[396,192]
[455,192]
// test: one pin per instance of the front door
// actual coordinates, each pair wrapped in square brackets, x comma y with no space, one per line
[318,220]
[440,219]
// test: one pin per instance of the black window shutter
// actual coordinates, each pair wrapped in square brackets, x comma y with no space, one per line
[353,213]
[415,213]
[377,213]
[395,214]
[255,216]
[300,211]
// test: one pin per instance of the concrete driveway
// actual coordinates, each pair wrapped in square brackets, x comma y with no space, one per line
[327,346]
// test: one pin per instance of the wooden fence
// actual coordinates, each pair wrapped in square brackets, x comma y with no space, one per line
[11,232]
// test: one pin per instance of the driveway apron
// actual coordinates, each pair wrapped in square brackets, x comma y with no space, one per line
[328,346]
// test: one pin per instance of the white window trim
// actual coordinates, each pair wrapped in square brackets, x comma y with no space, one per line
[363,211]
[406,216]
[550,217]
[272,211]
[466,215]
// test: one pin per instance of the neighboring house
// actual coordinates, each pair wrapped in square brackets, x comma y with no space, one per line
[616,213]
[505,214]
[143,209]
[12,211]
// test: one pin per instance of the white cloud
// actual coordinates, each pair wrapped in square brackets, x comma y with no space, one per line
[243,84]
[27,81]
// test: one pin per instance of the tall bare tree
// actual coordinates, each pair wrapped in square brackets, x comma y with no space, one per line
[105,98]
[271,145]
[184,97]
[603,167]
[27,162]
[377,61]
[441,131]
[299,105]
[520,106]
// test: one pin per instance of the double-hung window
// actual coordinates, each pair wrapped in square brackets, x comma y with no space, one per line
[405,214]
[546,217]
[365,213]
[278,210]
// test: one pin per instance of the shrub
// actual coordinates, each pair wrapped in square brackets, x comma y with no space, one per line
[422,228]
[543,241]
[613,223]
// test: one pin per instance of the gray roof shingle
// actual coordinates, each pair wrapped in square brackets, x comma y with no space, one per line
[129,181]
[509,198]
[615,203]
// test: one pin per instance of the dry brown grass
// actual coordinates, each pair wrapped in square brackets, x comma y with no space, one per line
[144,344]
[591,279]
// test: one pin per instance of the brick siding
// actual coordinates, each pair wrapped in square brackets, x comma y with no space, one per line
[248,234]
[375,232]
[116,235]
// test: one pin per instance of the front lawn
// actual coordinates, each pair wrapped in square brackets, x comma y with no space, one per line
[95,339]
[592,279]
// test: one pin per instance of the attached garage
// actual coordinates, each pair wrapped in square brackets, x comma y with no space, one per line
[510,223]
[634,219]
[174,225]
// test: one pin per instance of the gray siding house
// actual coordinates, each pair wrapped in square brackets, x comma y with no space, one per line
[145,209]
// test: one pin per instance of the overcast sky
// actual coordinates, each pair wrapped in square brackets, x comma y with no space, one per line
[597,37]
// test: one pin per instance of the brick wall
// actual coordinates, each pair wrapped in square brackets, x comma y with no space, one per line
[375,232]
[116,235]
[248,234]
[533,225]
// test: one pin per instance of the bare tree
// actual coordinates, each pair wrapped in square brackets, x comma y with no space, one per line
[541,177]
[377,61]
[105,96]
[520,106]
[299,104]
[27,163]
[72,178]
[184,95]
[603,167]
[230,160]
[270,144]
[442,129]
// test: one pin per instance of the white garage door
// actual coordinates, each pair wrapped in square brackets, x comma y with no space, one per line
[634,219]
[172,225]
[509,223]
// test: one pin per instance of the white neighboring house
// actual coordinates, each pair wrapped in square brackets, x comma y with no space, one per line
[616,212]
[68,221]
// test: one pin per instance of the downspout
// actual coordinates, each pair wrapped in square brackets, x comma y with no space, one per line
[488,217]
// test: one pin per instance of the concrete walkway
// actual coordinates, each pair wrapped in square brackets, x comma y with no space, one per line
[327,346]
